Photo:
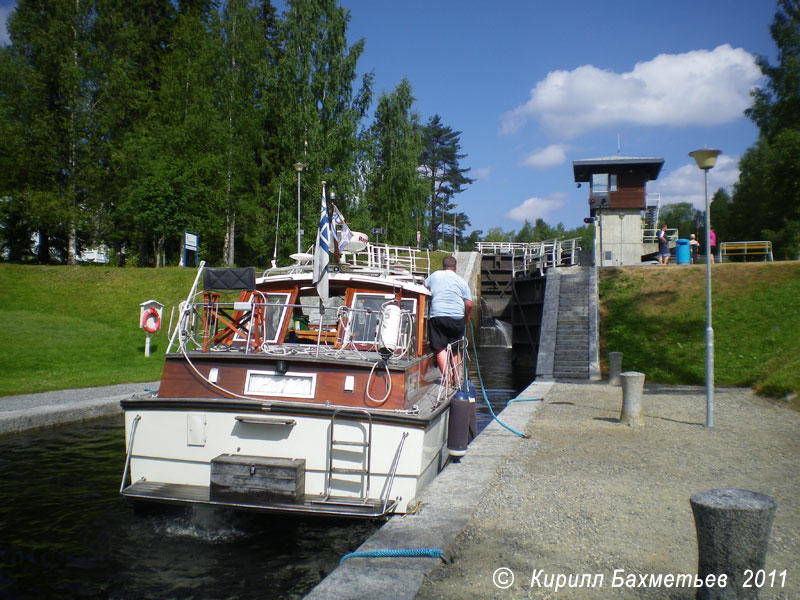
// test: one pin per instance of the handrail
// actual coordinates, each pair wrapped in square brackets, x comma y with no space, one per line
[135,423]
[534,255]
[393,470]
[651,235]
[184,312]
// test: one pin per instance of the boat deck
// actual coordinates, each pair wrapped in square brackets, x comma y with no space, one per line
[314,505]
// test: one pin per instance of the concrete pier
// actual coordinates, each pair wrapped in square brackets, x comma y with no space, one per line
[445,508]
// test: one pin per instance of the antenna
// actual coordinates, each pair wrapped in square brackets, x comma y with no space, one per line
[277,225]
[619,151]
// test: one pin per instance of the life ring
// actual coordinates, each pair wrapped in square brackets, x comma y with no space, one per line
[155,325]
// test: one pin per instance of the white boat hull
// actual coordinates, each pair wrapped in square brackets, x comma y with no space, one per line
[176,447]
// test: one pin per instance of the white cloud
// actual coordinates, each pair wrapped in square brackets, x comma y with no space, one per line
[536,208]
[482,173]
[543,158]
[685,184]
[700,87]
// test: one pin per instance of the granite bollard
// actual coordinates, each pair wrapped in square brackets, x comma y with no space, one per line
[614,367]
[733,529]
[632,386]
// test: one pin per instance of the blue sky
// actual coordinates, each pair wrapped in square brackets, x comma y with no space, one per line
[535,84]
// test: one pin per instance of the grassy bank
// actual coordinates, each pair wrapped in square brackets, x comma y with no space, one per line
[656,316]
[70,327]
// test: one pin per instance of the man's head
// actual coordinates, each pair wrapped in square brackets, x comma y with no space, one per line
[449,263]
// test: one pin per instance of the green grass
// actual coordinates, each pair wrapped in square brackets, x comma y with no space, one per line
[656,317]
[70,327]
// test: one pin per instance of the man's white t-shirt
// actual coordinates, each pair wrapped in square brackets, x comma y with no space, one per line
[449,292]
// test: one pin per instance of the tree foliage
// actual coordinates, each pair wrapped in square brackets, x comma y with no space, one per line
[125,123]
[766,201]
[396,194]
[682,216]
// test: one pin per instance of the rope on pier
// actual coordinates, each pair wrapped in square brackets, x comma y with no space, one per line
[425,552]
[483,391]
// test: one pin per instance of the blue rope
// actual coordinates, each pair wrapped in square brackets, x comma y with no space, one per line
[483,391]
[523,400]
[429,552]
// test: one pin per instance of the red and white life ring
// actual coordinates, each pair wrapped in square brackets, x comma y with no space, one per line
[151,325]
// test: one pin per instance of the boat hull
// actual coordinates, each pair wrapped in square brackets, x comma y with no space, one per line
[377,463]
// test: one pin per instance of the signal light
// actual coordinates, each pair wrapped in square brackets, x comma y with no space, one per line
[589,220]
[592,200]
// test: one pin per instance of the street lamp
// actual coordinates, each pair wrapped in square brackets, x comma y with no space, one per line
[298,166]
[706,159]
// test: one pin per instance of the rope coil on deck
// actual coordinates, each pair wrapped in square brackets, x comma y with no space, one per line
[413,552]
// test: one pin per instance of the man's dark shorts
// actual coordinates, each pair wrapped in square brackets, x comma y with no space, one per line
[443,331]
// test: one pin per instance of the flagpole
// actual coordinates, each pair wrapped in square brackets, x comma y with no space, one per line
[321,256]
[333,232]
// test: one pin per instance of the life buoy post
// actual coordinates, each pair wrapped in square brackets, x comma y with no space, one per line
[150,313]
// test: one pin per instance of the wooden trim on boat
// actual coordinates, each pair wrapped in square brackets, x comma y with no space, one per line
[408,377]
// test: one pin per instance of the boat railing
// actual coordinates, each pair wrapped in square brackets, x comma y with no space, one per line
[391,259]
[453,378]
[372,259]
[255,326]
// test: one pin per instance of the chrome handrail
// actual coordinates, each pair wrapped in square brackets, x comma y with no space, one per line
[135,423]
[393,470]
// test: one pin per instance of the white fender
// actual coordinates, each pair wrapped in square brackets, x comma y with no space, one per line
[390,327]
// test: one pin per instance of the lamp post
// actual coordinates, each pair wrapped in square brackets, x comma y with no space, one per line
[298,166]
[706,159]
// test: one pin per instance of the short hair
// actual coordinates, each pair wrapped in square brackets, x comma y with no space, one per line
[449,262]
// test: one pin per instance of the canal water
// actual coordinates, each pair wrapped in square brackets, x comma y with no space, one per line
[65,532]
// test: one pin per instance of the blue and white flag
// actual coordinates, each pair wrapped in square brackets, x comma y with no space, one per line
[345,235]
[321,251]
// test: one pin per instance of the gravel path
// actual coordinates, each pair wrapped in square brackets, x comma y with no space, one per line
[588,495]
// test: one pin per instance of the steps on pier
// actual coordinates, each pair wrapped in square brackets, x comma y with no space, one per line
[568,339]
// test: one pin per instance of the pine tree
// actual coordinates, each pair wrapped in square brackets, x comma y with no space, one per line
[439,162]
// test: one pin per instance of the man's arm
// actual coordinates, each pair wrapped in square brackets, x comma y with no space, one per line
[467,309]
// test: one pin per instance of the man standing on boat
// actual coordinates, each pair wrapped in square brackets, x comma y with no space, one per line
[451,305]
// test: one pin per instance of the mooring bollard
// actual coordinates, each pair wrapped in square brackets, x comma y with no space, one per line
[732,534]
[614,367]
[632,386]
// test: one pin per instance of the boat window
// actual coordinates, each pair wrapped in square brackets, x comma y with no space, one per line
[365,318]
[310,308]
[275,314]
